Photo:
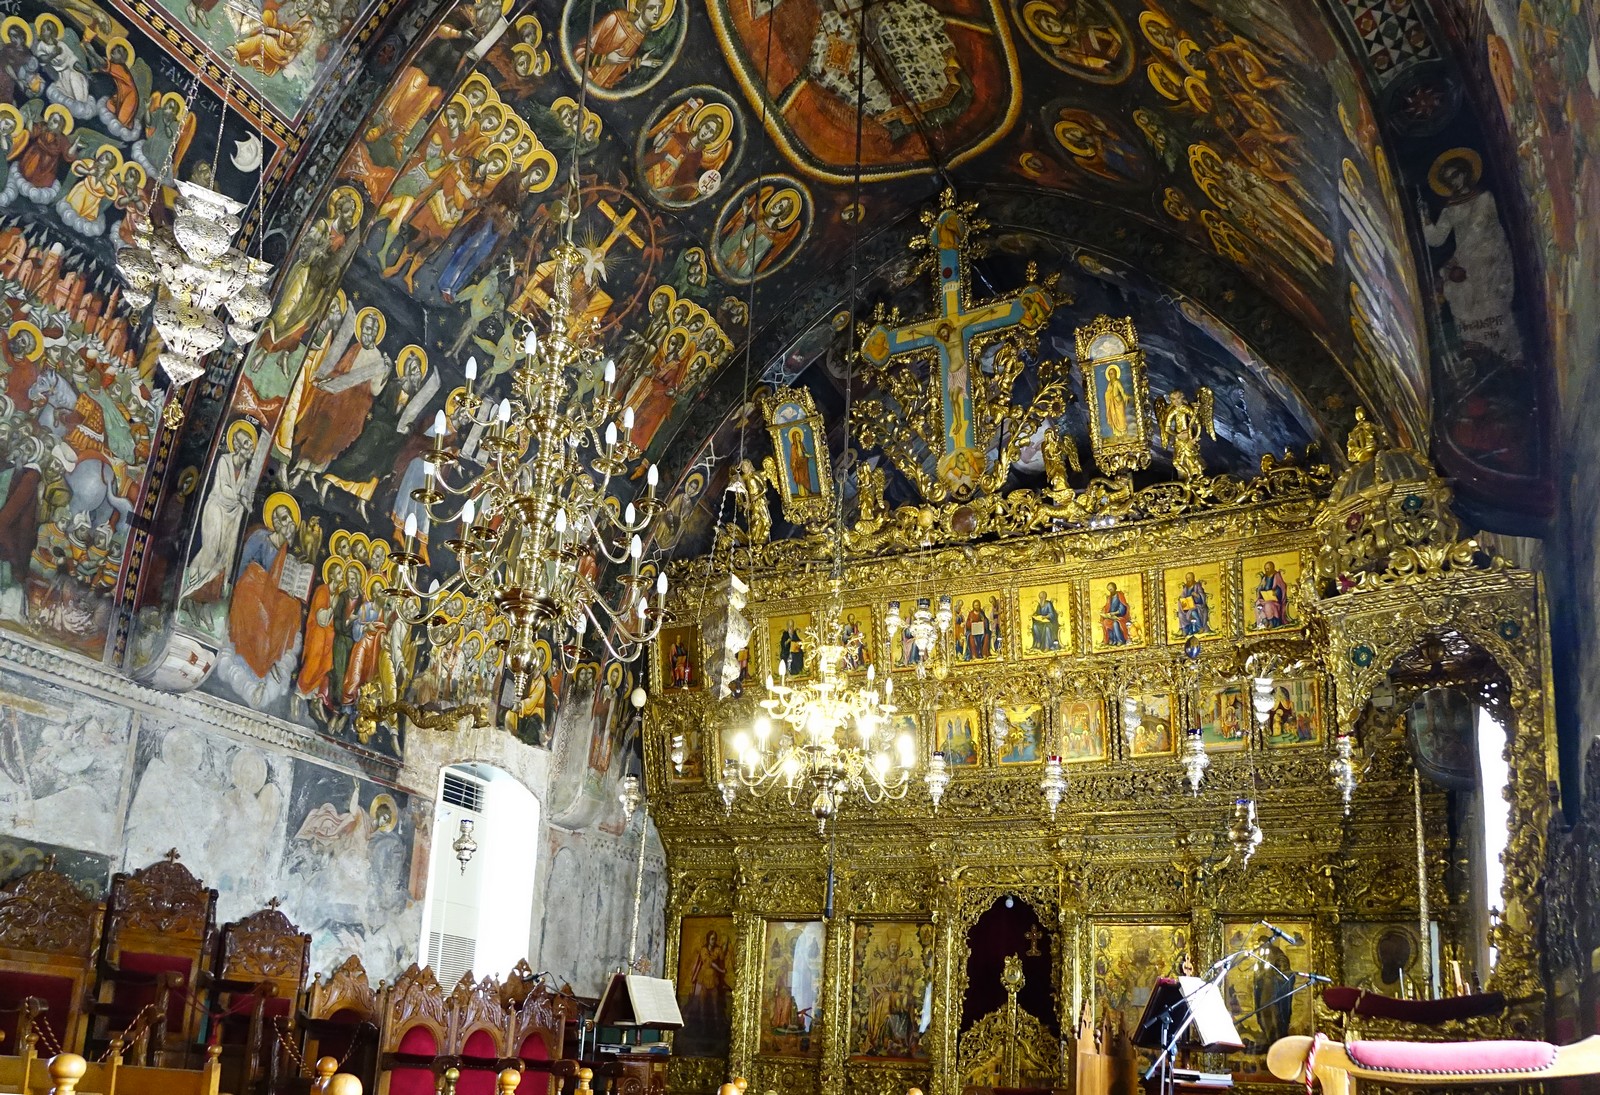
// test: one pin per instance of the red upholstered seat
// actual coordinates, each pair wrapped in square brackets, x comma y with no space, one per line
[1427,1012]
[1452,1058]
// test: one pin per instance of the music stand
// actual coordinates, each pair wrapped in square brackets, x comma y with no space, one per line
[1176,1004]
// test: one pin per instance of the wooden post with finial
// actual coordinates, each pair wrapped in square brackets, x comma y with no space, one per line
[342,1084]
[326,1067]
[448,1084]
[507,1082]
[66,1069]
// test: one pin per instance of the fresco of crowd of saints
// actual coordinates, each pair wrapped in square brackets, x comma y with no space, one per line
[891,990]
[707,963]
[791,984]
[91,126]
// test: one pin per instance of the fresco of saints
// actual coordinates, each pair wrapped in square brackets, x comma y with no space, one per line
[341,395]
[694,138]
[1046,624]
[1116,618]
[233,484]
[1194,607]
[39,165]
[313,274]
[617,45]
[759,232]
[1272,598]
[263,618]
[1083,37]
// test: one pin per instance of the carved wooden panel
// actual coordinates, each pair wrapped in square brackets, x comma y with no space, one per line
[163,897]
[415,999]
[43,911]
[347,989]
[265,946]
[473,1006]
[541,1012]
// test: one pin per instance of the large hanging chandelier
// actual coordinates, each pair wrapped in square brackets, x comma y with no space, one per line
[824,739]
[189,270]
[540,518]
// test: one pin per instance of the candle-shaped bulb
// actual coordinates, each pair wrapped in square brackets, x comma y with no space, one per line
[472,369]
[652,476]
[530,342]
[630,515]
[504,411]
[636,547]
[611,434]
[627,418]
[561,521]
[411,526]
[644,607]
[438,424]
[661,584]
[611,371]
[469,511]
[433,587]
[582,625]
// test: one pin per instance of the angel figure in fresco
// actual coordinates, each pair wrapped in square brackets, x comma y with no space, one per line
[694,138]
[1181,425]
[168,129]
[1116,617]
[99,184]
[38,168]
[617,45]
[62,57]
[759,231]
[122,111]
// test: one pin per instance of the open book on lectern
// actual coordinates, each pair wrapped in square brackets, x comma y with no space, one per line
[1177,999]
[631,1000]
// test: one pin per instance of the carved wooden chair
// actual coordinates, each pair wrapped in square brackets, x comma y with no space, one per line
[259,975]
[159,932]
[69,1074]
[413,1033]
[340,1021]
[49,932]
[538,1030]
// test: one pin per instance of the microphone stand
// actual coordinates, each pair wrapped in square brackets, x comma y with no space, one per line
[1170,1038]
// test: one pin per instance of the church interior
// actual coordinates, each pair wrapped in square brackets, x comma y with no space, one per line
[800,547]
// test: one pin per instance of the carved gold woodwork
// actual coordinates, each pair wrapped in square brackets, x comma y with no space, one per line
[1384,575]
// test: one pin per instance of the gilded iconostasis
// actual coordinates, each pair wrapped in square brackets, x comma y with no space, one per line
[1300,209]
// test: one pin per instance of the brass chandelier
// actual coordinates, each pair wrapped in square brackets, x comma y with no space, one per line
[541,517]
[832,738]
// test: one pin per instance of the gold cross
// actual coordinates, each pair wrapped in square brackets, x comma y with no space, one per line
[950,337]
[1033,935]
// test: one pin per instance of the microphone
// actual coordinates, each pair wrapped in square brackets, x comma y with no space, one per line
[1317,978]
[1279,933]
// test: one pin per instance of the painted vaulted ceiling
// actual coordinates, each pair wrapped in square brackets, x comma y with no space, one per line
[1301,206]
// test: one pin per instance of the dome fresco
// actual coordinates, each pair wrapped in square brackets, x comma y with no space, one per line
[1295,205]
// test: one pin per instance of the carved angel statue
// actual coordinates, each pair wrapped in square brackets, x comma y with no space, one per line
[870,509]
[1059,452]
[1181,426]
[1362,444]
[750,485]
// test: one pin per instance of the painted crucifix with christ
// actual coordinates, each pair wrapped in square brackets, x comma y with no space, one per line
[962,407]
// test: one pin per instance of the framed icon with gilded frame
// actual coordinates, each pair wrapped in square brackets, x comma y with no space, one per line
[1113,371]
[790,640]
[958,734]
[1081,729]
[1194,603]
[1046,620]
[800,447]
[1272,593]
[1118,613]
[1296,715]
[978,629]
[1225,718]
[681,659]
[1155,736]
[1023,739]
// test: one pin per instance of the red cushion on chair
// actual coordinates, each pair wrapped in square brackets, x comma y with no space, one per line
[56,992]
[418,1040]
[140,995]
[480,1045]
[1453,1058]
[412,1081]
[533,1048]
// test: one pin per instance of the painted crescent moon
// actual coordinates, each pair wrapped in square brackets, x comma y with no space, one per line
[247,153]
